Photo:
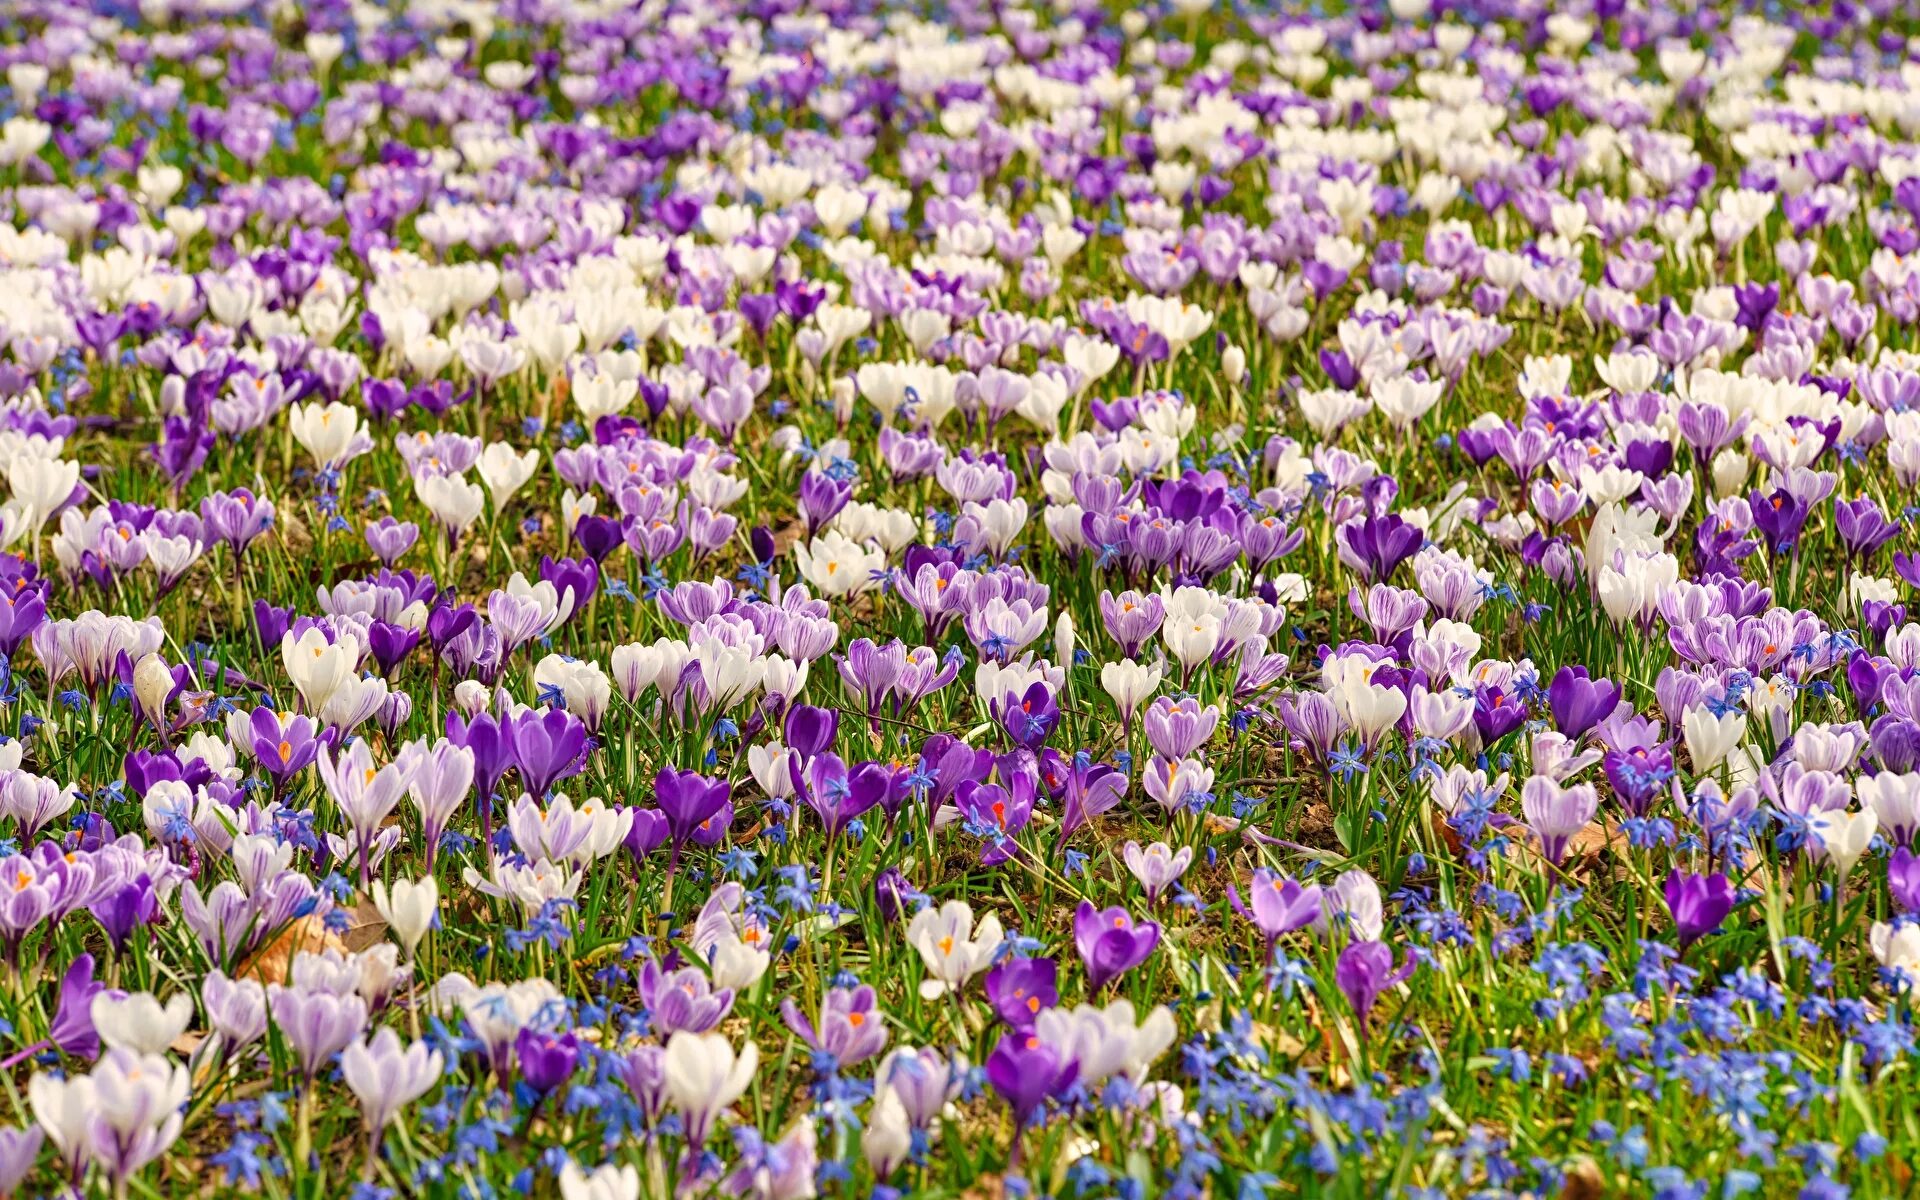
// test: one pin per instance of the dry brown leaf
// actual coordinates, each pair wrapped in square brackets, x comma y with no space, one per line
[1583,1182]
[365,926]
[272,962]
[987,1187]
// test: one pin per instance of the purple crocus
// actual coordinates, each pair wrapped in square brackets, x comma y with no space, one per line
[1018,987]
[688,800]
[282,745]
[809,730]
[72,1031]
[548,745]
[1111,942]
[1862,527]
[546,1059]
[837,794]
[821,498]
[1699,903]
[1376,546]
[1027,1072]
[1579,702]
[1092,788]
[1030,720]
[1365,970]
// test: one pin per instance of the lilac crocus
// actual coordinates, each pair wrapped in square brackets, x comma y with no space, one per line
[1111,942]
[1091,789]
[390,539]
[316,1024]
[1178,728]
[236,518]
[682,999]
[1277,904]
[1556,813]
[1156,867]
[851,1028]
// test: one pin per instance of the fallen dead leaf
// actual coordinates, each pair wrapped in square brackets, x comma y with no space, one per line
[1583,1182]
[272,962]
[365,926]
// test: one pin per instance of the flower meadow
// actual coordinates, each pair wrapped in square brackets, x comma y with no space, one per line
[768,599]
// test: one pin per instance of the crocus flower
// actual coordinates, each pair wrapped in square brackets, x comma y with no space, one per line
[1018,987]
[1111,942]
[682,1000]
[1278,905]
[316,1024]
[548,745]
[1903,879]
[1028,1072]
[1556,813]
[704,1077]
[1699,903]
[1578,702]
[687,800]
[387,1076]
[546,1059]
[851,1028]
[1157,867]
[1364,970]
[837,795]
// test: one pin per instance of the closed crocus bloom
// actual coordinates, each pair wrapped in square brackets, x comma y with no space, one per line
[236,1009]
[1893,797]
[1897,947]
[330,432]
[704,1077]
[1710,738]
[1111,942]
[454,502]
[64,1108]
[609,1181]
[1699,903]
[887,1139]
[1556,813]
[1843,837]
[1156,867]
[505,471]
[387,1076]
[408,908]
[137,1114]
[1129,684]
[138,1022]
